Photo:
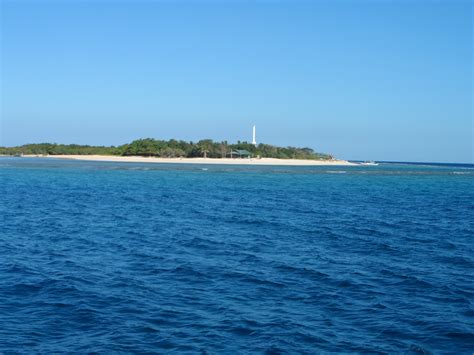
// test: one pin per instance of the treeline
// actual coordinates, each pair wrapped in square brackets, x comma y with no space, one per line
[58,149]
[167,149]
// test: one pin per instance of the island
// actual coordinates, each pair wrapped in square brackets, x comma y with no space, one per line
[205,151]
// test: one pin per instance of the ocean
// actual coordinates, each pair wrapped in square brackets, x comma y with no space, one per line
[124,257]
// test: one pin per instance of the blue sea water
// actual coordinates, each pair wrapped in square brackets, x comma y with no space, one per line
[123,257]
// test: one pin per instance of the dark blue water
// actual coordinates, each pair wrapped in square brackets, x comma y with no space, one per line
[109,257]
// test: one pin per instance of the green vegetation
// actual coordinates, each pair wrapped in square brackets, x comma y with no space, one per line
[58,149]
[168,149]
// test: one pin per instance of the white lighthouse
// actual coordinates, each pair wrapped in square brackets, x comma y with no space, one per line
[254,142]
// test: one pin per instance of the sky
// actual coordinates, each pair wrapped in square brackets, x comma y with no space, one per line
[363,80]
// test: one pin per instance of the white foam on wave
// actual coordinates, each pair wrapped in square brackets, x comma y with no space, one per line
[336,171]
[461,173]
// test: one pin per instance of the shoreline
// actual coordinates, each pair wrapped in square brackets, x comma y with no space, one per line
[217,161]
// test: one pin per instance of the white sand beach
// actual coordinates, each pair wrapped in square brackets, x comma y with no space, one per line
[243,161]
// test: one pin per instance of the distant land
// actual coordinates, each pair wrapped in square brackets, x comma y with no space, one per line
[172,148]
[205,151]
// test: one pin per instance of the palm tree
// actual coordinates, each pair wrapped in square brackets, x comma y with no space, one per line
[205,146]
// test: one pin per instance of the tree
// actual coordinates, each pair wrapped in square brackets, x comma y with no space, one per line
[205,146]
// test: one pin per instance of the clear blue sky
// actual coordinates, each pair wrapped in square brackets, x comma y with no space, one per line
[382,80]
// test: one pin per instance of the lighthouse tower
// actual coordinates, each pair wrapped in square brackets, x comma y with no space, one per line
[254,142]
